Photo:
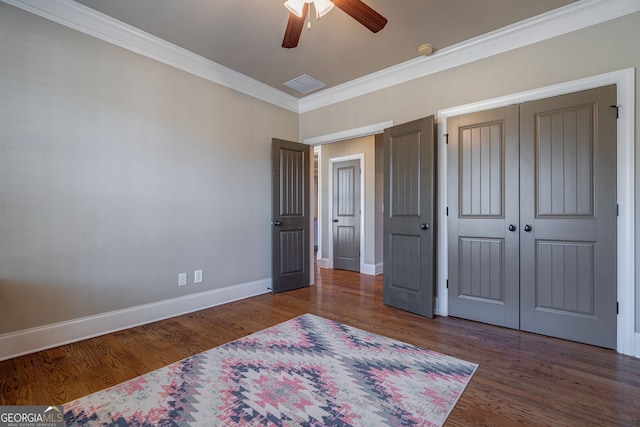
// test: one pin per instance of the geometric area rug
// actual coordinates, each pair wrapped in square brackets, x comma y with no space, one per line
[308,371]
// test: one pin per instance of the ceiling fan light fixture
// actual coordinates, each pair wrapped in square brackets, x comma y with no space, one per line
[322,7]
[295,6]
[356,9]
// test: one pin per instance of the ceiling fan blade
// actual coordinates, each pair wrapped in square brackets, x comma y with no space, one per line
[362,13]
[294,28]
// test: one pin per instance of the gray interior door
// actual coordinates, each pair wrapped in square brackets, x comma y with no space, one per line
[568,205]
[409,195]
[346,215]
[483,219]
[532,217]
[290,213]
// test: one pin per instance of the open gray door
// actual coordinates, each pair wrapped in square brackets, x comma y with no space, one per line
[346,215]
[409,194]
[290,213]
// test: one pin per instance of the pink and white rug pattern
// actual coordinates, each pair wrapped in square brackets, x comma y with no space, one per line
[308,371]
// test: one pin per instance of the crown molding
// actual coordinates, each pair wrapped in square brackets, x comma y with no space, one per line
[572,17]
[89,21]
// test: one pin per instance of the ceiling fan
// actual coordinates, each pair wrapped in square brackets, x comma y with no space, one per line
[354,8]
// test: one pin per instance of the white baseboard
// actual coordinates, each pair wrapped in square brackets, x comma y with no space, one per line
[372,269]
[637,345]
[379,268]
[324,263]
[369,269]
[43,337]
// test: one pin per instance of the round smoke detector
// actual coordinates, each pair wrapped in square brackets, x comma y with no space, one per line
[425,49]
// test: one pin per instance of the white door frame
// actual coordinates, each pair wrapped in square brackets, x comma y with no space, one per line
[360,157]
[625,82]
[341,136]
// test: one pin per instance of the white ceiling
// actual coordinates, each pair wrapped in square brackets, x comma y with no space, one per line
[246,35]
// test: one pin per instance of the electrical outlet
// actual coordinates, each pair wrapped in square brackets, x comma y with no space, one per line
[182,279]
[197,276]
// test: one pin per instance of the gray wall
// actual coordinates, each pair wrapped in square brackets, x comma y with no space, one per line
[602,48]
[118,172]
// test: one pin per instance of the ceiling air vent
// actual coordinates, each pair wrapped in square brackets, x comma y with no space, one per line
[304,84]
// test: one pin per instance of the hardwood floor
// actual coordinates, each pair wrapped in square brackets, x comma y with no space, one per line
[523,379]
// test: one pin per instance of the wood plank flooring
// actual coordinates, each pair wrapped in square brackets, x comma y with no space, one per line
[523,379]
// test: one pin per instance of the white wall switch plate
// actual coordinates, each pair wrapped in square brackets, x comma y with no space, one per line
[182,279]
[197,276]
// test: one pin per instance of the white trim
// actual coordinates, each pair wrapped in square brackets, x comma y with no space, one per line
[312,210]
[625,81]
[18,343]
[373,269]
[89,21]
[572,17]
[555,23]
[323,262]
[369,269]
[360,157]
[637,352]
[349,133]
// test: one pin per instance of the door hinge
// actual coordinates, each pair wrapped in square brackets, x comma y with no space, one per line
[617,308]
[447,211]
[446,138]
[447,283]
[617,209]
[617,107]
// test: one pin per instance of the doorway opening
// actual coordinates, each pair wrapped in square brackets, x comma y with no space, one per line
[331,159]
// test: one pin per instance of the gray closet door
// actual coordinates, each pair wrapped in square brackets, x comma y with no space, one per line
[409,194]
[483,216]
[532,217]
[290,213]
[346,215]
[568,204]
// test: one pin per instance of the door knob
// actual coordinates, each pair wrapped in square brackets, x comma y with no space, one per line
[527,228]
[512,227]
[277,223]
[424,226]
[335,220]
